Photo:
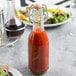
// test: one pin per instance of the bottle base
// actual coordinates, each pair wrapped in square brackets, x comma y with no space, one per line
[39,73]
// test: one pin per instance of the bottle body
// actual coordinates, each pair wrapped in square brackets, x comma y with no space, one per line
[38,51]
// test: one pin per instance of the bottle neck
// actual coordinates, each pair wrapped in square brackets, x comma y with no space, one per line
[38,19]
[11,8]
[38,26]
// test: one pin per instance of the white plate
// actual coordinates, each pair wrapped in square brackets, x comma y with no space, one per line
[57,24]
[14,72]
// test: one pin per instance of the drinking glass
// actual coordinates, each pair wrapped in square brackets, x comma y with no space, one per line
[73,16]
[73,10]
[4,39]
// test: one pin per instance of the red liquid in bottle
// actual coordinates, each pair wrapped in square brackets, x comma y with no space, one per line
[38,51]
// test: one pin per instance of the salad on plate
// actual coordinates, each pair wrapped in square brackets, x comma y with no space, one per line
[54,16]
[4,71]
[57,16]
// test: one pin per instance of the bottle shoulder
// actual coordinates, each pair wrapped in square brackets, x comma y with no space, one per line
[39,37]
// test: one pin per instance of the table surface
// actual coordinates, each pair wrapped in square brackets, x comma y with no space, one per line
[62,52]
